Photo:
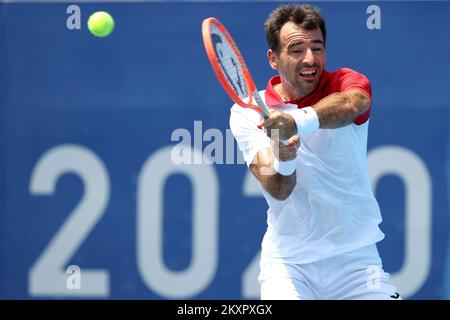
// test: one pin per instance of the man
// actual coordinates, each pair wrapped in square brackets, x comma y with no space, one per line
[323,218]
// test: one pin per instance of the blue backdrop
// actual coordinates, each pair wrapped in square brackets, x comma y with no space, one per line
[93,207]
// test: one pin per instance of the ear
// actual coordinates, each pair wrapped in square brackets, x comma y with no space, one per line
[272,59]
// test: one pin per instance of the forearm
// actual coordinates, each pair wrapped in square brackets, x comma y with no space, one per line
[334,111]
[340,109]
[278,186]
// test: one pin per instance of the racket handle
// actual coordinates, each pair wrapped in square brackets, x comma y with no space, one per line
[261,104]
[265,111]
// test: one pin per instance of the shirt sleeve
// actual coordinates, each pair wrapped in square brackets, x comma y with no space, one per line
[250,138]
[350,79]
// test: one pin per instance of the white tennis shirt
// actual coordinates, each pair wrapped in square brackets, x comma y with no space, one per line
[331,209]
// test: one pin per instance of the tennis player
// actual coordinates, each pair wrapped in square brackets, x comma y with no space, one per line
[323,217]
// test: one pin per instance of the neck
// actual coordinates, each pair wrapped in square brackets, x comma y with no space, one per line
[286,94]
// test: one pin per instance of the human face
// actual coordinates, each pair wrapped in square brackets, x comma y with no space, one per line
[300,61]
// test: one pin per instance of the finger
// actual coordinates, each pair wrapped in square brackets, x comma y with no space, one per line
[294,141]
[284,152]
[268,123]
[273,118]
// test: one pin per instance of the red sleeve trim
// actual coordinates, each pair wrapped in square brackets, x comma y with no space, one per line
[363,117]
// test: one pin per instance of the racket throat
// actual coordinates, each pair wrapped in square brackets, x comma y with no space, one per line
[261,104]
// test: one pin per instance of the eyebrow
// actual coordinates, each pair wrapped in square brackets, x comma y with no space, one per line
[318,41]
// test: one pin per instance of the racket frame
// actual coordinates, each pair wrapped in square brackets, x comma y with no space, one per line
[260,106]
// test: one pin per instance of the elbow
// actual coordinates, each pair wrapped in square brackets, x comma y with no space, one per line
[280,196]
[361,102]
[357,103]
[353,112]
[283,193]
[278,186]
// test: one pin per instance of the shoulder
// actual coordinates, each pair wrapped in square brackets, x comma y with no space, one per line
[347,73]
[345,79]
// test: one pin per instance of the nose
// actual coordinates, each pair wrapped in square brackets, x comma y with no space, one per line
[309,57]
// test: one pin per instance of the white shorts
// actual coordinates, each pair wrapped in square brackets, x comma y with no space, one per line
[350,276]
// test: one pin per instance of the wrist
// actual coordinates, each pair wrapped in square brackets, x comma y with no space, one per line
[306,120]
[285,168]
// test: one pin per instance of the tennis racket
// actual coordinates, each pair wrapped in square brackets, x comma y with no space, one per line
[230,68]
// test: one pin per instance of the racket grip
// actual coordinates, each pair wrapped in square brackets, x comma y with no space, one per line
[265,112]
[261,104]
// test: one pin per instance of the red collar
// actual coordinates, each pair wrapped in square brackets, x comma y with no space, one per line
[273,99]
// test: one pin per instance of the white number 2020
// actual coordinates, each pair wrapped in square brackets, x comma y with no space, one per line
[48,278]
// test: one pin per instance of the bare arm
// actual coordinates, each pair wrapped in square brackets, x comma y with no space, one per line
[278,186]
[334,111]
[340,109]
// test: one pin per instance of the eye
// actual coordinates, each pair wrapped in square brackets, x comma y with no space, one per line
[296,50]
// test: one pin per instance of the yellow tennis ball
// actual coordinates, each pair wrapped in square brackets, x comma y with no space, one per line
[100,23]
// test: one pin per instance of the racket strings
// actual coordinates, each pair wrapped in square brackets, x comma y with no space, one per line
[230,62]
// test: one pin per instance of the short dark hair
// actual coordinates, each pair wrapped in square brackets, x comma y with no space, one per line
[303,15]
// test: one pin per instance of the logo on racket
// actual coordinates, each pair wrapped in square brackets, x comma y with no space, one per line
[222,52]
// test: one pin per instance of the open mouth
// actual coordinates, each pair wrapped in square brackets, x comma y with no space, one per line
[308,73]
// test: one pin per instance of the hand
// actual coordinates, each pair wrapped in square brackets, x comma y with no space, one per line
[286,152]
[279,125]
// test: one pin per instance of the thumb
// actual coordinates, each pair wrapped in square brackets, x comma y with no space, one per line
[294,141]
